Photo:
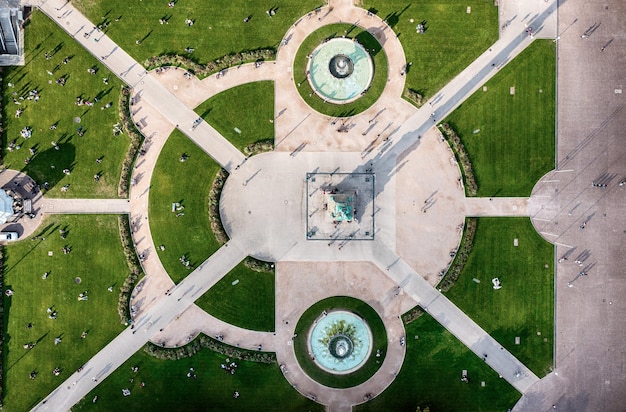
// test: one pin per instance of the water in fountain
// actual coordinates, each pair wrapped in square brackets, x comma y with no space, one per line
[340,342]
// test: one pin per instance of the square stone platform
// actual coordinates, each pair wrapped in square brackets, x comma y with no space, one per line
[356,189]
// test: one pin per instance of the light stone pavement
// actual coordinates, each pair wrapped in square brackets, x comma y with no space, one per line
[589,372]
[80,206]
[157,105]
[192,91]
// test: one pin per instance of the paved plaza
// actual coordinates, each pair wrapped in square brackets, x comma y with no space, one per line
[355,213]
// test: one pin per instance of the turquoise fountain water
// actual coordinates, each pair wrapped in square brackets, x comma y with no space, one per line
[340,342]
[339,70]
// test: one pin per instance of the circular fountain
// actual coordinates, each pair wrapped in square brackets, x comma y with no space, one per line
[340,70]
[340,342]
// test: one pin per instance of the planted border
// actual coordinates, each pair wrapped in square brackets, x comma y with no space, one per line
[203,341]
[462,254]
[414,96]
[136,139]
[204,70]
[123,304]
[462,157]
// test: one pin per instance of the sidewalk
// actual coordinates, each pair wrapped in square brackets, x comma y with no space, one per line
[455,321]
[80,206]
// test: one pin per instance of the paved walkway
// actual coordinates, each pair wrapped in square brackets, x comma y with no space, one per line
[162,312]
[455,320]
[145,87]
[24,187]
[159,107]
[589,372]
[80,206]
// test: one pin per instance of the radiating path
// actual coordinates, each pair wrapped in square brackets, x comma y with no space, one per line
[455,321]
[496,206]
[512,42]
[133,73]
[161,313]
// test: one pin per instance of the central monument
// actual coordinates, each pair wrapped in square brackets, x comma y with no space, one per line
[340,206]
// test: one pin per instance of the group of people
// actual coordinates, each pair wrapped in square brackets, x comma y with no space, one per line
[192,373]
[186,263]
[229,368]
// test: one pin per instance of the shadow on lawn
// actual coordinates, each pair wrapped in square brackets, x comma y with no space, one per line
[393,19]
[48,165]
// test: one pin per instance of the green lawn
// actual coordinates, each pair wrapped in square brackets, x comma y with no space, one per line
[248,108]
[515,145]
[366,40]
[261,387]
[187,183]
[217,30]
[57,106]
[244,298]
[431,376]
[98,260]
[453,38]
[524,306]
[379,343]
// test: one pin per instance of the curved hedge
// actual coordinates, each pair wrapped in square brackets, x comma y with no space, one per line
[203,70]
[462,157]
[203,341]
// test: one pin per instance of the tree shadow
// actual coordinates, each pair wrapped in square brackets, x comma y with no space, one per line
[370,42]
[48,165]
[392,19]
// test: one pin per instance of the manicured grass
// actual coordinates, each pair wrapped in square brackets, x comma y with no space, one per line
[515,145]
[249,303]
[371,365]
[248,108]
[57,106]
[524,306]
[431,376]
[218,28]
[366,40]
[261,387]
[96,258]
[187,183]
[453,38]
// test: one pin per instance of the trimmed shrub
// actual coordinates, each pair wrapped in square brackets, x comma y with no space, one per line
[217,65]
[462,254]
[414,97]
[136,139]
[123,303]
[462,157]
[203,341]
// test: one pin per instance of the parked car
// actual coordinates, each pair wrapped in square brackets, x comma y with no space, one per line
[8,236]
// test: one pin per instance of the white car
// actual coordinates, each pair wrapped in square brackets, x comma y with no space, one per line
[8,236]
